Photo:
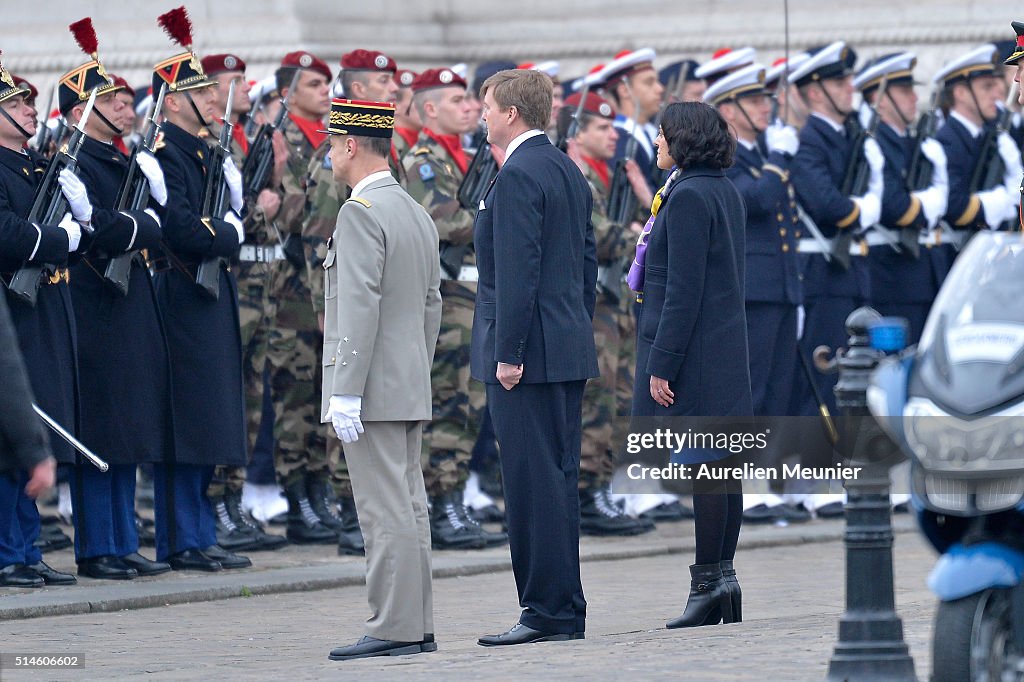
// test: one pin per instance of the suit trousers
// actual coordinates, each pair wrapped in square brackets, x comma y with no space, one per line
[538,429]
[19,521]
[391,500]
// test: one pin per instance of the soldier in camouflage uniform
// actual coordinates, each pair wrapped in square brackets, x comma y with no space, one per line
[293,349]
[434,169]
[366,76]
[235,529]
[407,119]
[591,147]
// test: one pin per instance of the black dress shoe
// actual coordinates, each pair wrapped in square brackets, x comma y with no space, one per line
[226,558]
[368,647]
[762,513]
[832,510]
[520,634]
[144,566]
[428,644]
[18,575]
[52,577]
[193,560]
[106,568]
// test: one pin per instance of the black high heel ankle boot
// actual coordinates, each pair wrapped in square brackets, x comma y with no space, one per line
[710,601]
[729,573]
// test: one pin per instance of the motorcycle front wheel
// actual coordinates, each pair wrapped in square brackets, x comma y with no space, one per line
[971,639]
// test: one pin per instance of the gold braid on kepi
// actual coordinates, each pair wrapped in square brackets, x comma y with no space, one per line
[1018,50]
[365,119]
[8,88]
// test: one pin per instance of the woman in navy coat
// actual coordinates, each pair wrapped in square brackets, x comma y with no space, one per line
[692,335]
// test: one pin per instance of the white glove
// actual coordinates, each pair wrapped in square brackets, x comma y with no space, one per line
[801,316]
[74,231]
[876,161]
[78,198]
[934,152]
[1010,153]
[781,138]
[933,203]
[237,224]
[152,214]
[870,210]
[234,182]
[998,204]
[150,167]
[343,411]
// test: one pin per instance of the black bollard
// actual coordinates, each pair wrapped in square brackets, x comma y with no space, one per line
[870,645]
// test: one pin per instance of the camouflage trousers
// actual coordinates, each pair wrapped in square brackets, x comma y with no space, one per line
[608,399]
[458,402]
[294,344]
[256,312]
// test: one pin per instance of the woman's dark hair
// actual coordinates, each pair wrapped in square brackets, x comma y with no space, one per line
[697,135]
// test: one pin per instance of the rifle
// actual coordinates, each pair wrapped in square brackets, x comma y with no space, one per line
[989,168]
[574,125]
[215,197]
[674,87]
[857,176]
[45,135]
[49,206]
[134,194]
[481,172]
[621,198]
[256,169]
[918,175]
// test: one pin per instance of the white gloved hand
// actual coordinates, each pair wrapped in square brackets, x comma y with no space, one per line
[782,138]
[152,214]
[343,411]
[1010,153]
[78,198]
[998,205]
[233,179]
[870,210]
[876,161]
[74,231]
[150,167]
[933,203]
[237,224]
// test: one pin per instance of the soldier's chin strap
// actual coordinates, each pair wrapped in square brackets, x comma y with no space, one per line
[832,102]
[739,105]
[15,123]
[199,117]
[113,128]
[906,122]
[977,106]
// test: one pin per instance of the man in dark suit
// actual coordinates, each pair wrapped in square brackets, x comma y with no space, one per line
[533,346]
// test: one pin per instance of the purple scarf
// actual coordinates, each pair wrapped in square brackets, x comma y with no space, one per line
[635,277]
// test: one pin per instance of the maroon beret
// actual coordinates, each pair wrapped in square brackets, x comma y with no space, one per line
[219,63]
[123,84]
[21,82]
[437,78]
[595,105]
[304,60]
[368,60]
[405,77]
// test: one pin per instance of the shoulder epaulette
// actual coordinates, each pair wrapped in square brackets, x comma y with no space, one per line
[360,200]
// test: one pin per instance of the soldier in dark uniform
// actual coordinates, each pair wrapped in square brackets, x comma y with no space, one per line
[124,369]
[972,87]
[1014,61]
[682,77]
[631,83]
[236,530]
[903,285]
[824,83]
[46,331]
[202,331]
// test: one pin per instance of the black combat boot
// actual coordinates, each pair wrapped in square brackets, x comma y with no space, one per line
[729,573]
[710,601]
[264,541]
[304,526]
[448,528]
[230,535]
[350,537]
[490,538]
[600,516]
[321,500]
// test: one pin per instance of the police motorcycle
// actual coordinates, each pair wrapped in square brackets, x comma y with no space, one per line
[955,404]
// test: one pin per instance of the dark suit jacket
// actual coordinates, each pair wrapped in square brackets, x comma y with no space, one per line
[538,270]
[692,329]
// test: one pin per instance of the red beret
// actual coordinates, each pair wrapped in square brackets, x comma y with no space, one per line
[32,91]
[405,77]
[123,84]
[368,60]
[219,63]
[437,78]
[304,60]
[595,105]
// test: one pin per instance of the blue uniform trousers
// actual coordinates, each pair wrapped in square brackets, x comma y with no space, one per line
[104,506]
[189,522]
[771,337]
[19,522]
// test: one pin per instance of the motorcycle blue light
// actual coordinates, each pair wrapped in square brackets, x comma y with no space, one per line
[889,334]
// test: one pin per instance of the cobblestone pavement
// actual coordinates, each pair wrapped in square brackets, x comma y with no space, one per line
[793,597]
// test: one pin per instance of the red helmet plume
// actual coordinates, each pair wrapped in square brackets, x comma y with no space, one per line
[178,26]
